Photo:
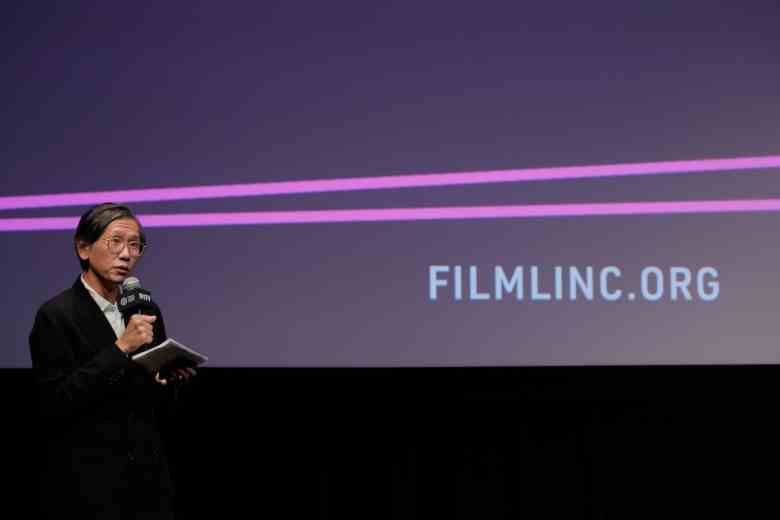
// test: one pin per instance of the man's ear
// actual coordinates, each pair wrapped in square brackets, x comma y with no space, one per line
[83,250]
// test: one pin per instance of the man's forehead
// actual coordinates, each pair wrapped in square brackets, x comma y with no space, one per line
[124,227]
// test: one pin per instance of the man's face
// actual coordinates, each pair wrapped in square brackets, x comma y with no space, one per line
[112,268]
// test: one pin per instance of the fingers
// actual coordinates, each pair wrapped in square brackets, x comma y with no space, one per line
[142,319]
[142,322]
[139,331]
[160,379]
[184,373]
[179,375]
[142,334]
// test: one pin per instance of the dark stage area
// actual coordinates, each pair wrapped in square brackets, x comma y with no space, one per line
[487,443]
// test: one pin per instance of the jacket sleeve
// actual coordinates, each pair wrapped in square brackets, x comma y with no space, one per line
[67,388]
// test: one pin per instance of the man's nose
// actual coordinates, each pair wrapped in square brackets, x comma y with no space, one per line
[124,254]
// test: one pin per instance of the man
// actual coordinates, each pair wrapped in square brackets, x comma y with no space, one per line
[103,454]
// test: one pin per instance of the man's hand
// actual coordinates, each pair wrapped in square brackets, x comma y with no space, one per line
[138,332]
[175,375]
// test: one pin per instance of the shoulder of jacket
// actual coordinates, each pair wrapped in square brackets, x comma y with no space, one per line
[57,304]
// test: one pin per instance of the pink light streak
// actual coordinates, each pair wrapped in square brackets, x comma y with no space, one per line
[414,214]
[387,182]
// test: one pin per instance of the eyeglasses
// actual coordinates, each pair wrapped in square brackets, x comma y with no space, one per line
[135,247]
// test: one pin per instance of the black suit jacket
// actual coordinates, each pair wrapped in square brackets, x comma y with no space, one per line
[102,449]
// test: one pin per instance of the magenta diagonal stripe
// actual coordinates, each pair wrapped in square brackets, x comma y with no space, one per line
[412,214]
[387,182]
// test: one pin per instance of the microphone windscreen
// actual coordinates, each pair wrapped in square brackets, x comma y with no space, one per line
[131,283]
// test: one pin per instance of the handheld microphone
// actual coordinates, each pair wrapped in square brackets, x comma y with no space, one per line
[135,299]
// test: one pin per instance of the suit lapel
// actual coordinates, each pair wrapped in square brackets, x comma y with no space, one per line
[90,319]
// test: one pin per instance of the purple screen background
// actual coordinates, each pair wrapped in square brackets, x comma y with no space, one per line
[108,97]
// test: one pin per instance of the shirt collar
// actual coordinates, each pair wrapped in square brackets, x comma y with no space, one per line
[104,304]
